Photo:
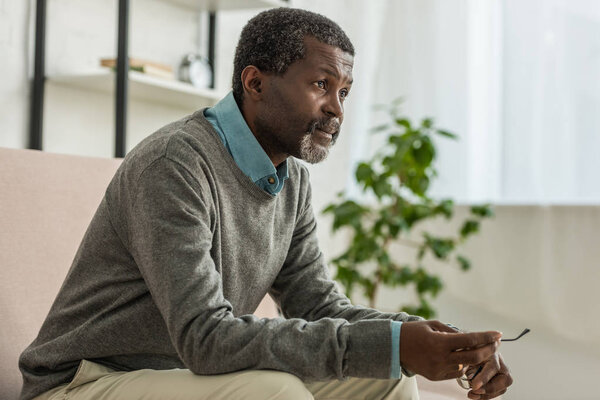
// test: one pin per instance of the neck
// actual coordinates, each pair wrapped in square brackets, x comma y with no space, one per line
[266,141]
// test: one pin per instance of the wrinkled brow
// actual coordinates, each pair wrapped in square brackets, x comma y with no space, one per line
[334,74]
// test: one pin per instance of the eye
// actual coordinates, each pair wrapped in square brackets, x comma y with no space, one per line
[344,93]
[321,84]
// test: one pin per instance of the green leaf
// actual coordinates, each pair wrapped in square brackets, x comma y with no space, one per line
[392,164]
[347,277]
[469,227]
[347,213]
[381,188]
[404,122]
[484,211]
[396,224]
[427,123]
[383,259]
[429,284]
[329,209]
[423,152]
[465,264]
[404,275]
[446,208]
[412,213]
[365,174]
[446,134]
[441,248]
[364,247]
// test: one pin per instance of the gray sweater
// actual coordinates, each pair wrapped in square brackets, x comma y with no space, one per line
[180,252]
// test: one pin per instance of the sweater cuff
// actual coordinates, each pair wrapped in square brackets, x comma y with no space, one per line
[368,349]
[396,327]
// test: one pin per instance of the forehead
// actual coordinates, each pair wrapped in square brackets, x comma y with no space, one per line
[320,56]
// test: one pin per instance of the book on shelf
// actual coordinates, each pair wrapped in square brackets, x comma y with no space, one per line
[149,68]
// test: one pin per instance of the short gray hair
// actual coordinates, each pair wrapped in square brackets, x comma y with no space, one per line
[274,39]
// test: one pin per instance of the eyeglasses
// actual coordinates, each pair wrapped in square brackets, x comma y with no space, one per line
[465,382]
[525,331]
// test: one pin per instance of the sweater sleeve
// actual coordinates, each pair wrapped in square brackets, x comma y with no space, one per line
[170,233]
[304,288]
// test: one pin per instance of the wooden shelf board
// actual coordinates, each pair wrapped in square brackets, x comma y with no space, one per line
[143,87]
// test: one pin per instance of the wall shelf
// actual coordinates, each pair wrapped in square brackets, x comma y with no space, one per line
[144,88]
[124,82]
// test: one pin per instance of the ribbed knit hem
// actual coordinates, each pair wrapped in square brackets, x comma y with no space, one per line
[369,349]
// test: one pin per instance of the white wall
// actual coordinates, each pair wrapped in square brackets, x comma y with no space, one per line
[14,99]
[532,267]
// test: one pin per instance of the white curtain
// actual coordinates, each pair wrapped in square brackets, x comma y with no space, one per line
[518,81]
[551,101]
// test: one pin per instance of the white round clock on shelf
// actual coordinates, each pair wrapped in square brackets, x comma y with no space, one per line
[196,70]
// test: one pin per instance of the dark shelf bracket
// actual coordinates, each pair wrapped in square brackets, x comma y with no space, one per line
[36,112]
[122,80]
[212,28]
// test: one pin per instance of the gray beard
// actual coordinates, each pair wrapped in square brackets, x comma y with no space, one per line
[310,152]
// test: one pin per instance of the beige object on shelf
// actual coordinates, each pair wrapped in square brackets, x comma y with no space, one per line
[150,68]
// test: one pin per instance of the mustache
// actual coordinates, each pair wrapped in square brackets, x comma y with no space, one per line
[327,125]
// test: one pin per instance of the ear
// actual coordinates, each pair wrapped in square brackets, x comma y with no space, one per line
[252,81]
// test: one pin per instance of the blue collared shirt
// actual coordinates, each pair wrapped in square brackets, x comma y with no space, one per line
[228,121]
[247,153]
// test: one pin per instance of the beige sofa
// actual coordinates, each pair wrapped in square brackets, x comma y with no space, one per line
[46,203]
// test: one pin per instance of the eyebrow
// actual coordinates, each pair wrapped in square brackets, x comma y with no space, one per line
[334,74]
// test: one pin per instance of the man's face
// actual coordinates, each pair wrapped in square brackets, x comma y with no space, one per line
[303,109]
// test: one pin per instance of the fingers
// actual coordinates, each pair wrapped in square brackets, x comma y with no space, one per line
[472,340]
[494,388]
[474,356]
[473,396]
[489,370]
[456,374]
[473,370]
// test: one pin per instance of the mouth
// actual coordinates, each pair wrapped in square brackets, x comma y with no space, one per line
[325,132]
[331,133]
[325,137]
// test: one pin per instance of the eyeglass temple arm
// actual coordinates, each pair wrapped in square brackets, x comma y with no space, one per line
[527,330]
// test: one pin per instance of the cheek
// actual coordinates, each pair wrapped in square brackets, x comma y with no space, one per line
[293,109]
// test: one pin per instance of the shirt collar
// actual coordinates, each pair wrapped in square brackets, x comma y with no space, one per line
[244,148]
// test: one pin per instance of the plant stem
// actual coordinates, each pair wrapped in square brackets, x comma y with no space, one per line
[411,243]
[374,293]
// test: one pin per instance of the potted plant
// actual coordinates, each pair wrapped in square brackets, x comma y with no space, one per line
[396,183]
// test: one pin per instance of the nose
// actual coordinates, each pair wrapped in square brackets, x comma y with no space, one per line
[333,106]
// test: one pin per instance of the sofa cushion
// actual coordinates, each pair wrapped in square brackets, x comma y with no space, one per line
[46,203]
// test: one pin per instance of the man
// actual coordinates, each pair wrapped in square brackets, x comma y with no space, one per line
[205,217]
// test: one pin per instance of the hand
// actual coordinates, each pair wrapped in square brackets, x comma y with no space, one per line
[438,352]
[492,381]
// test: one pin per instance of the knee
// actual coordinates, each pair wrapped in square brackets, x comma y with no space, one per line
[276,385]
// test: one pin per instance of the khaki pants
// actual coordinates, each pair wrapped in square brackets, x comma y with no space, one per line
[97,382]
